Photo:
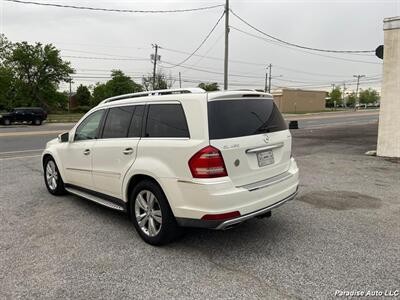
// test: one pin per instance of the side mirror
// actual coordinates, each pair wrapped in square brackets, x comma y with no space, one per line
[63,137]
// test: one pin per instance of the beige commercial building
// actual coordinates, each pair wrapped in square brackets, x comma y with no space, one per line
[295,100]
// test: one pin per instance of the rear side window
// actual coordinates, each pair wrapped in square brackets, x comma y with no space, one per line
[166,120]
[117,122]
[235,118]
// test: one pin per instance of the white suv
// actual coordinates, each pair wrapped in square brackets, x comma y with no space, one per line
[177,158]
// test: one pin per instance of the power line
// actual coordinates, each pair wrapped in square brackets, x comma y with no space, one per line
[95,53]
[296,45]
[201,44]
[209,71]
[208,51]
[114,9]
[301,50]
[127,58]
[106,58]
[212,58]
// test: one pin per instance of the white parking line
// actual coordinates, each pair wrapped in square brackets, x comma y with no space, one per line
[22,151]
[19,157]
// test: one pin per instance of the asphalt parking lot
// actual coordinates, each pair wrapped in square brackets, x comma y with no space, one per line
[341,233]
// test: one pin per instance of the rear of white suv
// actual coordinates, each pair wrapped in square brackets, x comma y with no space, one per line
[207,160]
[247,168]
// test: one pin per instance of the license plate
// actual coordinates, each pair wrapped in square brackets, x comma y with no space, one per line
[265,158]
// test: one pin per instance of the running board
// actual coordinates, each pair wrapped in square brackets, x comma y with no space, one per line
[94,198]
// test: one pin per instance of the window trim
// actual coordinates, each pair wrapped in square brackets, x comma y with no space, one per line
[146,114]
[141,123]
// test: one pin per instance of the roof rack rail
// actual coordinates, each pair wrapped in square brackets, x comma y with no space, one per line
[155,93]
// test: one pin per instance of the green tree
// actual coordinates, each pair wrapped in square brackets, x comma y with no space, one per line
[351,100]
[162,82]
[369,96]
[119,84]
[6,88]
[83,95]
[335,96]
[209,87]
[34,73]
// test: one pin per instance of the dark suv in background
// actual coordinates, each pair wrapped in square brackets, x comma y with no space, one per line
[32,115]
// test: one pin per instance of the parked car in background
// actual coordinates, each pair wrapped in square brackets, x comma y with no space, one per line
[178,158]
[31,115]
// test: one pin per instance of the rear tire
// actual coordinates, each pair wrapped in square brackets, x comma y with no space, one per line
[151,214]
[37,122]
[52,177]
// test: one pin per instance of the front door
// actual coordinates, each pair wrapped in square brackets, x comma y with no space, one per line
[77,155]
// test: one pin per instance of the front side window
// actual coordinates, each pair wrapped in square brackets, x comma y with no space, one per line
[88,129]
[117,122]
[166,120]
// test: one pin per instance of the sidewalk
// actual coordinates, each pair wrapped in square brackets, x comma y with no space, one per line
[331,114]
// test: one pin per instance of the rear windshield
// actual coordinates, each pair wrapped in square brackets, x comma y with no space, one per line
[235,118]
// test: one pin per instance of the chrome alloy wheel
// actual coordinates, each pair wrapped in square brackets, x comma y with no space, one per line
[51,175]
[148,213]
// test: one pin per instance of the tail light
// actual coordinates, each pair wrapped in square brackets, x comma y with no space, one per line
[207,163]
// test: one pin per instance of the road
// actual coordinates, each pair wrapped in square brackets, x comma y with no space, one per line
[333,119]
[341,233]
[24,140]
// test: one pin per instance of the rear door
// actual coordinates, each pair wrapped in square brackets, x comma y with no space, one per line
[252,137]
[115,152]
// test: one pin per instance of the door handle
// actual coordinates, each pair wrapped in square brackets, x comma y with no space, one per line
[128,151]
[86,152]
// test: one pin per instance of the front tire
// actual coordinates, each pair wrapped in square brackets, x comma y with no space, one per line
[7,122]
[52,177]
[37,122]
[151,214]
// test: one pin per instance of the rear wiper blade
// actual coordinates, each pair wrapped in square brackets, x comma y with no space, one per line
[266,128]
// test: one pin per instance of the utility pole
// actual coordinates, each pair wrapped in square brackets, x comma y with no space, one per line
[266,82]
[180,80]
[269,79]
[155,58]
[70,93]
[343,94]
[334,102]
[358,83]
[226,44]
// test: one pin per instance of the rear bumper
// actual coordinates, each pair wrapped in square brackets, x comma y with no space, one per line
[224,224]
[192,200]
